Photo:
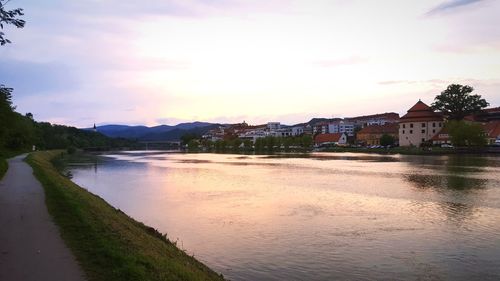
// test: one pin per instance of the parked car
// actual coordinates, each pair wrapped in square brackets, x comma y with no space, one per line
[445,145]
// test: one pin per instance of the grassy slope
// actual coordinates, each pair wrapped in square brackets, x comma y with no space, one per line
[108,244]
[3,167]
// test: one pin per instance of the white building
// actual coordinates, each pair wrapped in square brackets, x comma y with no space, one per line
[273,126]
[297,131]
[341,127]
[253,135]
[419,125]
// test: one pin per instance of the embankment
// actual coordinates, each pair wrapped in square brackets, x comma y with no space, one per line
[108,244]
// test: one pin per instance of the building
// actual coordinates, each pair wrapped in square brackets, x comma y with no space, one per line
[371,135]
[492,131]
[375,119]
[282,133]
[330,139]
[320,128]
[419,125]
[485,115]
[273,126]
[297,130]
[341,127]
[442,137]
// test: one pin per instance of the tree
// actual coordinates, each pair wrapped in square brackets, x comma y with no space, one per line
[456,102]
[186,138]
[465,134]
[386,140]
[9,17]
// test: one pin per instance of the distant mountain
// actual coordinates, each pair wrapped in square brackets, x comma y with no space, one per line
[177,133]
[157,133]
[123,131]
[193,125]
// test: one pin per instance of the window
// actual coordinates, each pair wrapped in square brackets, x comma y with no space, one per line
[434,124]
[423,125]
[423,131]
[439,124]
[411,125]
[433,131]
[423,140]
[411,131]
[404,126]
[403,131]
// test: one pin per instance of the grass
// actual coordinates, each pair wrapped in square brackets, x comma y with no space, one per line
[108,244]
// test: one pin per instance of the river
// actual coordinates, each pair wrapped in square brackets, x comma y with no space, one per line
[319,216]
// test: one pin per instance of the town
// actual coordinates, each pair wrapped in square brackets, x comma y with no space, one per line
[421,126]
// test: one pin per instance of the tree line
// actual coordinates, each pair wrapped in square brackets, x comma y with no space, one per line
[265,144]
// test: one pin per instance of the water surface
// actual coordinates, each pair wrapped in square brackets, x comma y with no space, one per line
[315,217]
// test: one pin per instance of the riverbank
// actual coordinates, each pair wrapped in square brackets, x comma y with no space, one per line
[108,244]
[416,150]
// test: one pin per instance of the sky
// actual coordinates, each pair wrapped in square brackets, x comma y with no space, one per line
[157,62]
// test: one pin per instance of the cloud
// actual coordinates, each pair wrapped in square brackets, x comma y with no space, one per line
[340,62]
[450,5]
[409,82]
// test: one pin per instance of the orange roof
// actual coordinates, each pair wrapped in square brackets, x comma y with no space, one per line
[322,138]
[492,110]
[421,112]
[442,135]
[492,128]
[389,128]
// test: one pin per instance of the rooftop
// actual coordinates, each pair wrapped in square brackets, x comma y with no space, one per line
[322,138]
[421,112]
[389,128]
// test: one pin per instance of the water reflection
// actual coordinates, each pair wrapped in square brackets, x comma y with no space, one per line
[440,182]
[319,216]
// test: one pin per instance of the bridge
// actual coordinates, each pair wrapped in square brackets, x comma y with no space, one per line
[161,144]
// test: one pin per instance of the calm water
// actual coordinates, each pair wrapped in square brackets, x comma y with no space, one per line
[322,217]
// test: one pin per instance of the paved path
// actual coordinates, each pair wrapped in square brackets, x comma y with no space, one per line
[30,245]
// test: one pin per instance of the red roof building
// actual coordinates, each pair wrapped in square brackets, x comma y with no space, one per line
[371,135]
[337,138]
[492,130]
[442,137]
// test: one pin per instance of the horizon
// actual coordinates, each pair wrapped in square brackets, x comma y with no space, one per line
[118,62]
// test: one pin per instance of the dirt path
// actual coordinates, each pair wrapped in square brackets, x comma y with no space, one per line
[31,247]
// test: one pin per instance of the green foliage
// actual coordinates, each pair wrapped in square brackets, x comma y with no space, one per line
[193,145]
[220,145]
[386,140]
[9,17]
[456,102]
[465,134]
[108,244]
[186,138]
[247,145]
[3,166]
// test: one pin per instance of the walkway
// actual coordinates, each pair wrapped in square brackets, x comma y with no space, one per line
[30,245]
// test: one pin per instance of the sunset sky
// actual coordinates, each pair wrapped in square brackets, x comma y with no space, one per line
[163,62]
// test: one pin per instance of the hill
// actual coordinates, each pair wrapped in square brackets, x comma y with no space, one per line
[156,133]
